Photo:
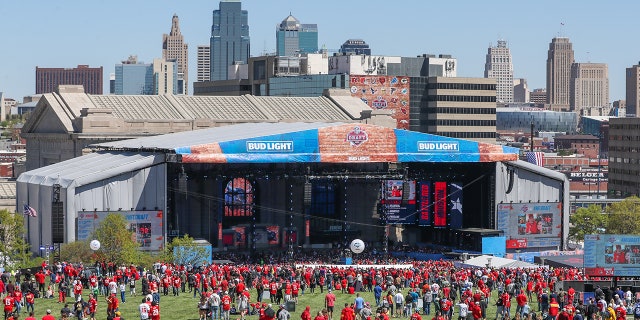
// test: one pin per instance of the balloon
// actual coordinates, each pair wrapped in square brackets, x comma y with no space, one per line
[357,246]
[94,245]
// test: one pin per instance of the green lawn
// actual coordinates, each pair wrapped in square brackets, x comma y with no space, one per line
[185,306]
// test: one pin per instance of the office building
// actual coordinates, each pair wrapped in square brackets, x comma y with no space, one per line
[355,46]
[425,65]
[174,49]
[48,79]
[589,88]
[499,66]
[203,63]
[521,90]
[519,119]
[134,77]
[294,38]
[454,107]
[538,96]
[624,157]
[632,78]
[229,41]
[559,61]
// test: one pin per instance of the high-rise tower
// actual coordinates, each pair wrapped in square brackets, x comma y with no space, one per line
[229,42]
[174,49]
[559,61]
[500,67]
[293,38]
[632,81]
[589,87]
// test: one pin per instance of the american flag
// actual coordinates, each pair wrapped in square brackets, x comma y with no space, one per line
[536,158]
[29,211]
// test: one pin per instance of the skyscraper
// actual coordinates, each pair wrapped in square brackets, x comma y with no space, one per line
[293,38]
[500,67]
[589,86]
[355,46]
[174,49]
[633,89]
[48,79]
[137,78]
[229,41]
[559,61]
[204,63]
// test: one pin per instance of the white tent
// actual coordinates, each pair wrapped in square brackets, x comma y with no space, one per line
[496,262]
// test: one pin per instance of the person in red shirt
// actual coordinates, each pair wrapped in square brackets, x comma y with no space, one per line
[8,303]
[93,304]
[225,302]
[30,301]
[154,311]
[320,316]
[48,316]
[621,312]
[347,313]
[416,316]
[176,285]
[30,317]
[521,300]
[329,303]
[112,305]
[306,314]
[295,290]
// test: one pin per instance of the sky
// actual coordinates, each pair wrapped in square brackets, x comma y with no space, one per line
[67,33]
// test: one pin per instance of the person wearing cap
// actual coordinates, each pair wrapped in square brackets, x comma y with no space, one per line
[225,302]
[48,316]
[283,313]
[329,303]
[117,317]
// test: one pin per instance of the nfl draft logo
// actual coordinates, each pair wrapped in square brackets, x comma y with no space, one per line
[357,137]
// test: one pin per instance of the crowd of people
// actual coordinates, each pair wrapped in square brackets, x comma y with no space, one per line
[435,290]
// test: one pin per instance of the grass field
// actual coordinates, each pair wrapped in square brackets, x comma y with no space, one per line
[185,305]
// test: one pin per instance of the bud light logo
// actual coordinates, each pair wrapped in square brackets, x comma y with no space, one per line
[439,146]
[269,146]
[357,137]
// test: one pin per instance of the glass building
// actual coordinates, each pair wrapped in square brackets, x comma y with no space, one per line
[355,46]
[294,38]
[305,85]
[519,119]
[229,41]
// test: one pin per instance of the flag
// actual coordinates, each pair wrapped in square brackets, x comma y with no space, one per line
[536,158]
[29,211]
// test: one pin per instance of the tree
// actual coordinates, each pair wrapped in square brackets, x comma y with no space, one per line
[76,252]
[185,250]
[624,216]
[14,249]
[117,243]
[590,220]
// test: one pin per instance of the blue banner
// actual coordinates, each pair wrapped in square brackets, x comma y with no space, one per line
[455,205]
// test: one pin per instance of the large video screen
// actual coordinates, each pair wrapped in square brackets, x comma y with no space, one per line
[145,225]
[534,225]
[399,201]
[612,255]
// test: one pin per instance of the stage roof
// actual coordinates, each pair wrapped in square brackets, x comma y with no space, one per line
[314,142]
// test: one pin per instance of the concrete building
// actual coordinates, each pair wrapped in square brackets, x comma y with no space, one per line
[360,64]
[538,96]
[499,66]
[521,91]
[65,122]
[632,80]
[174,49]
[559,61]
[355,46]
[624,157]
[589,87]
[203,64]
[294,38]
[48,79]
[230,40]
[454,107]
[135,77]
[425,65]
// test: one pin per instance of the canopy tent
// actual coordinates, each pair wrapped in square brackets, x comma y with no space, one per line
[496,262]
[315,142]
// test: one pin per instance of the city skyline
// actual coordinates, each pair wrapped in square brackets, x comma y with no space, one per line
[596,31]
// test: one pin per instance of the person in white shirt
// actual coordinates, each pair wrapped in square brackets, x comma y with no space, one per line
[463,310]
[144,310]
[214,304]
[398,299]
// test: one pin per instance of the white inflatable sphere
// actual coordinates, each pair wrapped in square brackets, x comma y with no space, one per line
[94,245]
[357,246]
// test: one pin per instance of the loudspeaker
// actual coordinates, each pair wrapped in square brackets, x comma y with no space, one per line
[588,287]
[290,306]
[57,222]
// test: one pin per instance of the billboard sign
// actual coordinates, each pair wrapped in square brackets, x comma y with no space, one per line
[425,203]
[145,225]
[612,255]
[399,201]
[535,224]
[384,92]
[440,204]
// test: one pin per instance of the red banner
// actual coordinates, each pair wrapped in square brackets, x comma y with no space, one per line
[219,230]
[598,272]
[307,228]
[425,203]
[516,243]
[440,204]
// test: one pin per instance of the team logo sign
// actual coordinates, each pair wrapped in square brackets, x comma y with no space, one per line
[357,136]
